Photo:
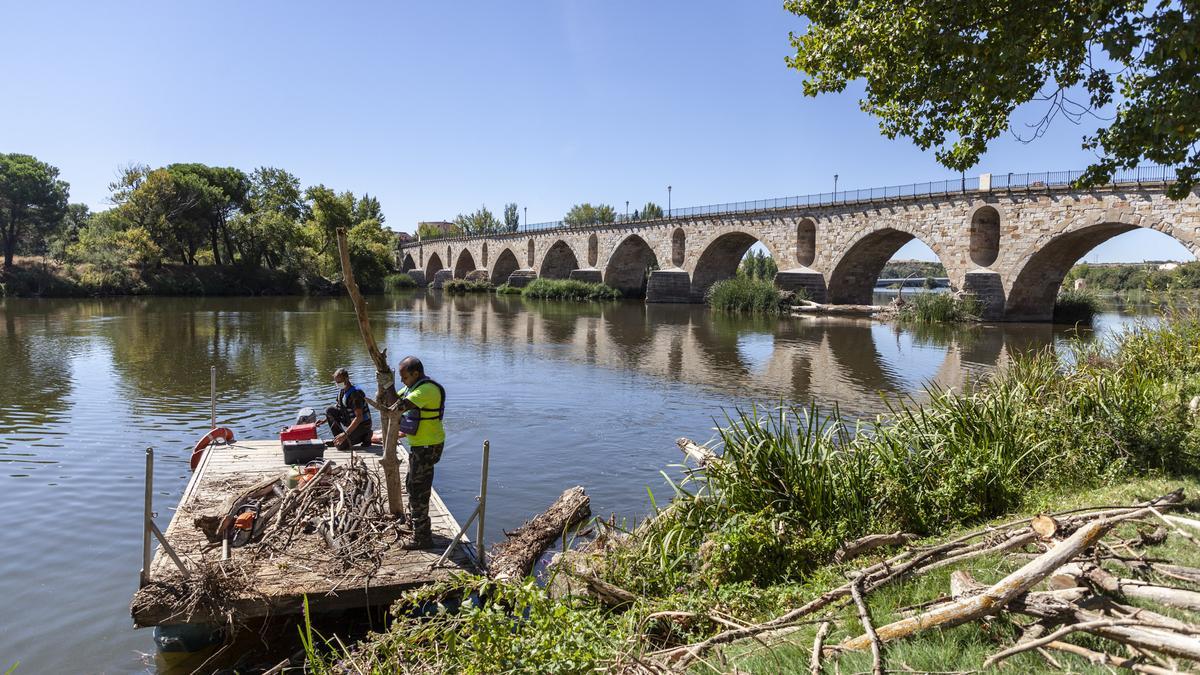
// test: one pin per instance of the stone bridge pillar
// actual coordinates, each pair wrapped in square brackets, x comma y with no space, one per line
[521,278]
[804,280]
[669,286]
[589,275]
[441,277]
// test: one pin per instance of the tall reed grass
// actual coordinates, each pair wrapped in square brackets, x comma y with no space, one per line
[462,286]
[1073,306]
[940,308]
[569,289]
[747,295]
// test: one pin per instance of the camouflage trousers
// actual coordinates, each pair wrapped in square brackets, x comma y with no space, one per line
[418,484]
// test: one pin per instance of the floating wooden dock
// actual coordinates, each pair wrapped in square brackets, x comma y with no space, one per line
[278,584]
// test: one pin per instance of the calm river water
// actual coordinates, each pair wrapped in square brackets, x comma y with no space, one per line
[568,394]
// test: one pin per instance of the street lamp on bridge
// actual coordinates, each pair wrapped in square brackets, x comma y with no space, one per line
[668,201]
[626,209]
[527,218]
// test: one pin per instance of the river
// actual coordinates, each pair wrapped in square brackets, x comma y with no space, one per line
[567,394]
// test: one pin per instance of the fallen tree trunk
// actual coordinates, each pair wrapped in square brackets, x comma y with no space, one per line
[514,557]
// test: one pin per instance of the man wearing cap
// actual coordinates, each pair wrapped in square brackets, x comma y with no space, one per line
[424,400]
[350,419]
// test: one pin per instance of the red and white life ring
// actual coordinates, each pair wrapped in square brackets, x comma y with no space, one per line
[220,433]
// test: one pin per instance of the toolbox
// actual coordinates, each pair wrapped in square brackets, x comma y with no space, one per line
[303,451]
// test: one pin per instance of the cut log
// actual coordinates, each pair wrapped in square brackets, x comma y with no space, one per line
[1045,526]
[514,557]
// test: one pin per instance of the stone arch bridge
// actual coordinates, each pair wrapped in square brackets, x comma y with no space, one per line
[1010,244]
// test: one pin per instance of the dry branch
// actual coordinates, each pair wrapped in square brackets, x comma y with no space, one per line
[852,549]
[814,663]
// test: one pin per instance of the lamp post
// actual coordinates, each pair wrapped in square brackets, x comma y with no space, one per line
[668,201]
[626,209]
[526,218]
[835,176]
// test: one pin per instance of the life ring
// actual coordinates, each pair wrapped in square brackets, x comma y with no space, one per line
[224,434]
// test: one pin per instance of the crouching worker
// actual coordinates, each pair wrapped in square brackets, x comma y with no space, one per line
[350,419]
[423,404]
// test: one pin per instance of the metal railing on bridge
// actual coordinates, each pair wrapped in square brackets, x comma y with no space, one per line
[1010,182]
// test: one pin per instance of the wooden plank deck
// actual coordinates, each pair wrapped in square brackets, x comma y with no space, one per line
[278,585]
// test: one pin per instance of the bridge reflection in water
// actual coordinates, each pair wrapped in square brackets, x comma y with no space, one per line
[845,362]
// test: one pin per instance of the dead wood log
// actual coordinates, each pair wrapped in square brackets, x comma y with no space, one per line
[514,557]
[852,549]
[698,453]
[1027,645]
[995,597]
[385,383]
[1135,588]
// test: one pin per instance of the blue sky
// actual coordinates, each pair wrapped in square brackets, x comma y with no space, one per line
[437,108]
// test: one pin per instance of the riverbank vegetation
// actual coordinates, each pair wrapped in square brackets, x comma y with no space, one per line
[399,281]
[185,229]
[748,295]
[939,308]
[463,286]
[1134,277]
[1073,306]
[754,531]
[569,289]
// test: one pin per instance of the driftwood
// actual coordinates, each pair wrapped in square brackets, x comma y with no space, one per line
[514,557]
[385,384]
[814,663]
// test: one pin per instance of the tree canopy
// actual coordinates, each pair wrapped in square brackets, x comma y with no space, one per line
[583,215]
[33,202]
[482,221]
[949,74]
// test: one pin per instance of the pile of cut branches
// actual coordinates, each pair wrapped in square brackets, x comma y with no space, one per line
[344,504]
[1079,571]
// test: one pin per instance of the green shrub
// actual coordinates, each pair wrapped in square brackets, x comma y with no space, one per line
[1073,306]
[940,308]
[460,286]
[506,289]
[399,281]
[747,295]
[569,289]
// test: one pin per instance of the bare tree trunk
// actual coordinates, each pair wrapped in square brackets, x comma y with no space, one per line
[514,557]
[385,383]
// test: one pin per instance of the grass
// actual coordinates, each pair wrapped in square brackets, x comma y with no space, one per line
[461,286]
[940,308]
[752,534]
[506,289]
[569,289]
[1073,306]
[399,281]
[747,295]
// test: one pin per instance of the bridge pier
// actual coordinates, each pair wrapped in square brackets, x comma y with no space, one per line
[669,286]
[590,275]
[418,276]
[440,278]
[521,278]
[802,279]
[987,286]
[477,275]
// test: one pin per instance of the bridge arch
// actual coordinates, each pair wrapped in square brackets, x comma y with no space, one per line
[433,265]
[558,262]
[506,263]
[629,265]
[852,279]
[409,264]
[1040,273]
[465,264]
[721,257]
